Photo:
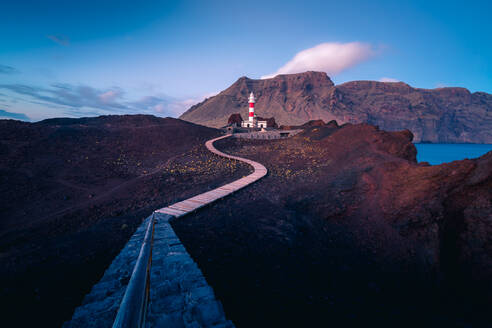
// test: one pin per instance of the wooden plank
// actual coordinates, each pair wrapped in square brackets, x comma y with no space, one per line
[196,201]
[209,197]
[201,199]
[248,180]
[226,187]
[173,211]
[205,196]
[183,207]
[170,211]
[235,186]
[186,203]
[217,193]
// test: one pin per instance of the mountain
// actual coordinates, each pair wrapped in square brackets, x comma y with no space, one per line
[447,115]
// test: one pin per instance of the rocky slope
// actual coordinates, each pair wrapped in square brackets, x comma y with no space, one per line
[349,230]
[448,115]
[72,192]
[346,229]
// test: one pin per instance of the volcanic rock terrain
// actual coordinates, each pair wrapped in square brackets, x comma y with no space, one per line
[73,191]
[349,230]
[445,115]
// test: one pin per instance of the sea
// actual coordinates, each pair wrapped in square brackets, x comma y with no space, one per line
[443,153]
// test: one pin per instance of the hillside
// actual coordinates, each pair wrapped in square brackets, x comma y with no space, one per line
[447,115]
[338,201]
[72,192]
[348,230]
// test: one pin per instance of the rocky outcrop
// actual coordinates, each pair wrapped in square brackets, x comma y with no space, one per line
[351,224]
[235,119]
[448,115]
[270,121]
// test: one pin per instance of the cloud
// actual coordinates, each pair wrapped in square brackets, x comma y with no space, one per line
[4,69]
[388,79]
[17,116]
[183,105]
[158,104]
[60,39]
[167,106]
[78,100]
[71,96]
[331,58]
[160,108]
[110,96]
[211,94]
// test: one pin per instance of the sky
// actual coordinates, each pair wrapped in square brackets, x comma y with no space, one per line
[88,58]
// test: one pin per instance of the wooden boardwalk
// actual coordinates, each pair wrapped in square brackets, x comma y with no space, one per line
[180,295]
[193,203]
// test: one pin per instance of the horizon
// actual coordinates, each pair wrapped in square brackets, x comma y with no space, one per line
[88,59]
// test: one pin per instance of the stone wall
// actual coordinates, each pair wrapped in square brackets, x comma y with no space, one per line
[276,134]
[179,294]
[100,306]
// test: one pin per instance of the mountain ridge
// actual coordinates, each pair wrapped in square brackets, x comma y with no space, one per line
[447,115]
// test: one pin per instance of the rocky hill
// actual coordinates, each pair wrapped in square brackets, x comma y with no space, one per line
[447,115]
[349,230]
[72,192]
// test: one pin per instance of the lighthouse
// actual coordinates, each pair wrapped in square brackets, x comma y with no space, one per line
[251,109]
[252,122]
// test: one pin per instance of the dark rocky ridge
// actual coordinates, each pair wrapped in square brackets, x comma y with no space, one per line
[447,115]
[347,229]
[72,192]
[235,119]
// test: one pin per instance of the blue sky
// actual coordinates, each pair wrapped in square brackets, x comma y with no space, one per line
[85,58]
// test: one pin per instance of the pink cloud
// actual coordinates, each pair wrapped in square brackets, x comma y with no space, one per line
[331,58]
[109,96]
[160,108]
[388,79]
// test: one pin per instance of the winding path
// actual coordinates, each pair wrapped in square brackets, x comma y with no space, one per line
[164,264]
[193,203]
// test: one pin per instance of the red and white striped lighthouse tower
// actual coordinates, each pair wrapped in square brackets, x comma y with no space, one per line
[251,108]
